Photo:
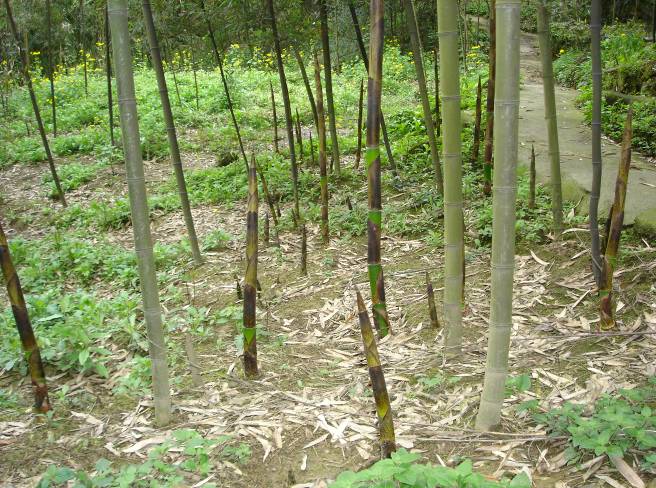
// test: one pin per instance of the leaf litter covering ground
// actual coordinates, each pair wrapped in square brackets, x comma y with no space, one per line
[312,413]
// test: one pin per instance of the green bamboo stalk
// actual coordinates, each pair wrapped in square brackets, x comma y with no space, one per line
[25,331]
[267,195]
[531,183]
[378,385]
[503,226]
[321,128]
[438,115]
[143,243]
[609,262]
[299,135]
[287,104]
[314,161]
[250,282]
[358,151]
[372,160]
[303,250]
[489,102]
[108,75]
[595,48]
[174,148]
[365,61]
[267,229]
[415,41]
[447,16]
[544,39]
[51,69]
[275,119]
[83,49]
[194,69]
[306,82]
[25,71]
[477,125]
[328,75]
[432,309]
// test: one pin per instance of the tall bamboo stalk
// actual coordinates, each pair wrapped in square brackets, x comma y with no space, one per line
[477,125]
[108,75]
[544,39]
[438,115]
[378,385]
[358,150]
[250,281]
[219,61]
[306,82]
[303,250]
[503,224]
[25,331]
[372,160]
[489,102]
[415,41]
[321,129]
[299,135]
[365,61]
[288,107]
[143,243]
[51,69]
[531,184]
[447,18]
[275,119]
[83,49]
[609,262]
[25,70]
[328,75]
[595,49]
[171,133]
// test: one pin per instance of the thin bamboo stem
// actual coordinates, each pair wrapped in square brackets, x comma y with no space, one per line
[531,183]
[358,150]
[250,282]
[595,49]
[477,125]
[275,119]
[328,75]
[489,102]
[321,127]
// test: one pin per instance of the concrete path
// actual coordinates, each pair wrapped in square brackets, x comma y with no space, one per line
[575,145]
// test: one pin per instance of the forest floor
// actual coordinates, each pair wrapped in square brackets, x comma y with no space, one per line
[310,414]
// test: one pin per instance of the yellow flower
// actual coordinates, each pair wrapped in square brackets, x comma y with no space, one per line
[476,47]
[100,44]
[562,51]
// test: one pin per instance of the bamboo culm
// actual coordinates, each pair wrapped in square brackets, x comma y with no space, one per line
[595,49]
[286,102]
[250,282]
[477,125]
[365,61]
[25,62]
[544,38]
[118,18]
[616,220]
[24,326]
[447,15]
[432,309]
[306,82]
[328,75]
[378,385]
[489,103]
[321,128]
[275,119]
[174,148]
[372,161]
[506,145]
[303,250]
[531,183]
[51,69]
[108,75]
[358,150]
[413,29]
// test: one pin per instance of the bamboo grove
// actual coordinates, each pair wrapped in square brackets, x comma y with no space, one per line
[494,159]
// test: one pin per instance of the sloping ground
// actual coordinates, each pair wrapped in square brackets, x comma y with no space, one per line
[311,415]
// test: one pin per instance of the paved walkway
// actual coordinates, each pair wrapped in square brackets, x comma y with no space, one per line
[575,144]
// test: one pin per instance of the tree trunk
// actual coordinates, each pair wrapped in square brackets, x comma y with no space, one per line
[23,54]
[143,243]
[413,30]
[321,130]
[381,397]
[503,226]
[250,282]
[595,35]
[108,74]
[365,61]
[616,220]
[286,102]
[25,331]
[544,39]
[358,150]
[306,82]
[372,161]
[51,69]
[489,103]
[328,75]
[174,148]
[447,18]
[477,125]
